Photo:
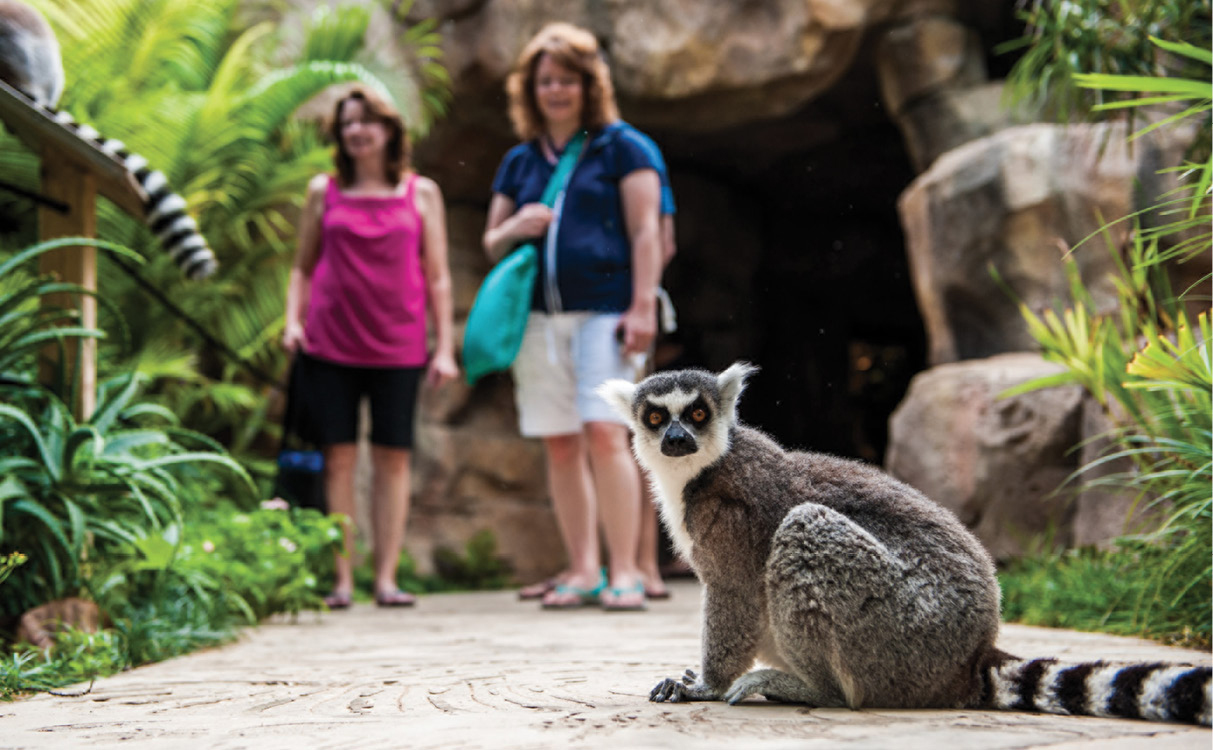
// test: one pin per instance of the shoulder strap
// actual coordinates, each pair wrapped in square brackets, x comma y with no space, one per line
[553,196]
[564,168]
[332,192]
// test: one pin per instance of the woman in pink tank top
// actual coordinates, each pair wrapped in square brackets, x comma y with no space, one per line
[371,261]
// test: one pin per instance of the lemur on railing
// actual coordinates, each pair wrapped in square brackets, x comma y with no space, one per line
[31,64]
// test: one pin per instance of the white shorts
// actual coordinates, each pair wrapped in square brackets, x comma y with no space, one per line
[563,358]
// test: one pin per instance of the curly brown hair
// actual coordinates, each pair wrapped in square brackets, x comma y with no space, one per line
[398,150]
[573,48]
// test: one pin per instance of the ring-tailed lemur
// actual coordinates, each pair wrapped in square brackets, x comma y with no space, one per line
[854,587]
[30,63]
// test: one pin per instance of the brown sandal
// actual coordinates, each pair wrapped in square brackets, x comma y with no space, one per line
[395,599]
[338,600]
[537,590]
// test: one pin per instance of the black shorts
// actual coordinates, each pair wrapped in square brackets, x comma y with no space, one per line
[331,393]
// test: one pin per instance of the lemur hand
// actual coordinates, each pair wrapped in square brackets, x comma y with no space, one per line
[689,688]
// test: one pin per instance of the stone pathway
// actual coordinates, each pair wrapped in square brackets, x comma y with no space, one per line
[486,671]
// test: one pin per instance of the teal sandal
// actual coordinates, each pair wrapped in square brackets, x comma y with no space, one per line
[615,593]
[574,597]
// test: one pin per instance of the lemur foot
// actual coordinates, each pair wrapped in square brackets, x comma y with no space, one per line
[688,688]
[772,684]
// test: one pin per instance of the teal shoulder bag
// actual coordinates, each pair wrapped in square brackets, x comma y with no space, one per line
[497,320]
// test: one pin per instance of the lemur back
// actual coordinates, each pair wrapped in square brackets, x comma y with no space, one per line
[29,53]
[858,590]
[31,64]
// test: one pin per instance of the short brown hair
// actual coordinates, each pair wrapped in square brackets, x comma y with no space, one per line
[398,150]
[576,49]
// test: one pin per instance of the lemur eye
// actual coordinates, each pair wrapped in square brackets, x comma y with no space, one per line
[655,418]
[699,415]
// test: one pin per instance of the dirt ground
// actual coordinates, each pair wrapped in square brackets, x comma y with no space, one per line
[487,671]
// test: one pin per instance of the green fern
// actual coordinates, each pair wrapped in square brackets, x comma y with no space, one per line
[208,92]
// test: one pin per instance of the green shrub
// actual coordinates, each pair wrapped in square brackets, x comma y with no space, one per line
[78,656]
[479,567]
[1149,364]
[208,92]
[173,592]
[73,491]
[1067,39]
[1137,588]
[10,562]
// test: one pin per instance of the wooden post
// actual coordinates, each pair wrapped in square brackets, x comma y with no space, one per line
[75,186]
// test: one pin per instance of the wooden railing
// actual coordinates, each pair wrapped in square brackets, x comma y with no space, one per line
[74,171]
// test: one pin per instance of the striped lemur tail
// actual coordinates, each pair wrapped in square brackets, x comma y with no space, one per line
[30,63]
[164,211]
[1156,691]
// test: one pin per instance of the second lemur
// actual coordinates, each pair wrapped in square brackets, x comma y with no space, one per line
[855,588]
[30,63]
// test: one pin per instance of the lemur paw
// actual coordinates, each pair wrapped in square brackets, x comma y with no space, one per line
[743,687]
[773,685]
[668,690]
[686,688]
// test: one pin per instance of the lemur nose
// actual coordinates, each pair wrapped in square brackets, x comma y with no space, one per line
[677,441]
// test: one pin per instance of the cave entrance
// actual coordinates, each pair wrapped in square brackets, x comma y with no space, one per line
[791,256]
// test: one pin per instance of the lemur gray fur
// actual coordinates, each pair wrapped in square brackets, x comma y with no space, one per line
[31,64]
[855,588]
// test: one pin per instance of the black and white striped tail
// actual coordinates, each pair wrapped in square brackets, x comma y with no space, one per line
[1155,691]
[164,212]
[165,215]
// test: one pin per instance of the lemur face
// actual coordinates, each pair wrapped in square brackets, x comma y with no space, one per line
[680,414]
[674,421]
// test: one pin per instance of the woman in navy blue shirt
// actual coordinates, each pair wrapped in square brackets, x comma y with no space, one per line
[594,307]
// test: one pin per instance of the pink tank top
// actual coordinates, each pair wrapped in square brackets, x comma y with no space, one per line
[368,298]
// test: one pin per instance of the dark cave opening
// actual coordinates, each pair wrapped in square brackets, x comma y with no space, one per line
[791,256]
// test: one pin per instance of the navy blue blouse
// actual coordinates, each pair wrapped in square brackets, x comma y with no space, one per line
[593,251]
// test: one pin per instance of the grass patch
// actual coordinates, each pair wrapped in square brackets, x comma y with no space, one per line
[1134,589]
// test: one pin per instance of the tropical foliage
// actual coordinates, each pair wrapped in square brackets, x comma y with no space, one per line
[208,90]
[1067,39]
[127,508]
[184,587]
[1149,364]
[158,523]
[1150,368]
[68,489]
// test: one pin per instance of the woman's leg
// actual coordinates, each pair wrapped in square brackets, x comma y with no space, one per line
[617,485]
[389,512]
[646,554]
[339,460]
[573,502]
[392,393]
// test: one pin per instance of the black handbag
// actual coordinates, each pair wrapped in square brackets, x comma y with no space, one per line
[300,476]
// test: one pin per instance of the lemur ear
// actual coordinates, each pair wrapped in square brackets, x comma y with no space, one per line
[619,394]
[731,383]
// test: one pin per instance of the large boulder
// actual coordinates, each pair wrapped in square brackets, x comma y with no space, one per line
[995,462]
[1014,204]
